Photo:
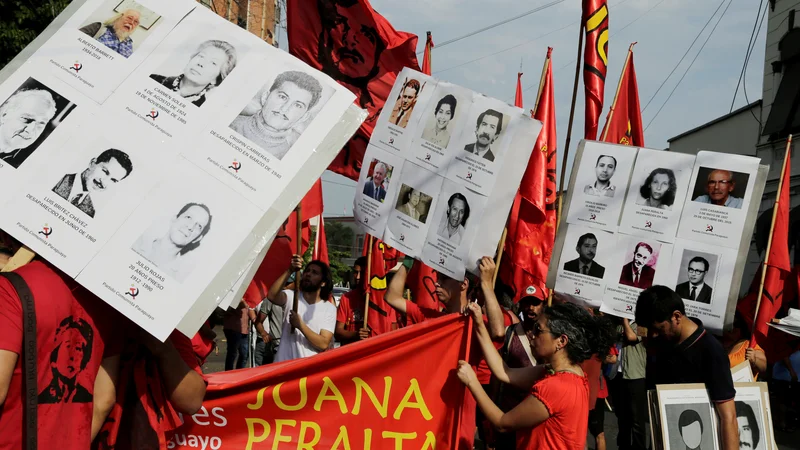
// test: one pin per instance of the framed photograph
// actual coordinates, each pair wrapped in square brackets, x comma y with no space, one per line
[687,417]
[755,425]
[148,19]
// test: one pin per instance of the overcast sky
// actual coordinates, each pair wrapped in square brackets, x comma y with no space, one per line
[663,29]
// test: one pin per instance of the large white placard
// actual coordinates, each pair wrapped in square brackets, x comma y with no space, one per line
[585,259]
[413,210]
[377,186]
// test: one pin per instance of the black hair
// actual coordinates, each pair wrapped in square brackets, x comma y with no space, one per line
[645,245]
[687,418]
[302,80]
[669,196]
[493,113]
[656,304]
[586,236]
[84,329]
[361,261]
[196,242]
[700,259]
[448,99]
[606,156]
[121,157]
[461,197]
[327,288]
[745,410]
[587,335]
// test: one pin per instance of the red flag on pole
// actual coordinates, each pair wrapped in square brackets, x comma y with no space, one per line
[384,258]
[518,95]
[624,120]
[321,243]
[595,61]
[531,224]
[358,48]
[426,58]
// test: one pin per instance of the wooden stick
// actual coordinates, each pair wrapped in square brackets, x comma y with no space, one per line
[769,242]
[369,281]
[619,86]
[23,256]
[299,250]
[500,246]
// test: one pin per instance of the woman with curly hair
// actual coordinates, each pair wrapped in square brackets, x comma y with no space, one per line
[658,190]
[555,414]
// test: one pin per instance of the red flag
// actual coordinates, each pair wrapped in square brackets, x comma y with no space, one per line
[357,47]
[321,244]
[391,391]
[595,61]
[384,258]
[422,283]
[518,95]
[624,120]
[426,58]
[532,221]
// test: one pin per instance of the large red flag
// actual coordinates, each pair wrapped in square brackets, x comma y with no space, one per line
[777,262]
[595,62]
[426,58]
[624,120]
[384,258]
[532,221]
[357,47]
[321,243]
[390,392]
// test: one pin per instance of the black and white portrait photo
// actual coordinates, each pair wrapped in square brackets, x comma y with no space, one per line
[103,172]
[121,26]
[208,65]
[720,187]
[696,276]
[27,117]
[405,102]
[451,226]
[169,244]
[413,203]
[280,112]
[585,264]
[658,190]
[488,129]
[639,269]
[604,171]
[751,425]
[689,427]
[439,126]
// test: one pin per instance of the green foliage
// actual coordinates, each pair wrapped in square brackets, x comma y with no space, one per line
[21,21]
[339,237]
[340,272]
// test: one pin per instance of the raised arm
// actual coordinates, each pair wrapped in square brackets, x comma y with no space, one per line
[394,295]
[630,335]
[275,294]
[497,328]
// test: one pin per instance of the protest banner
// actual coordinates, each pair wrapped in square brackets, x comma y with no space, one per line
[163,169]
[638,217]
[365,395]
[441,171]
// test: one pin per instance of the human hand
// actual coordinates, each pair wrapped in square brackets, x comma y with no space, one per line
[297,263]
[265,337]
[466,374]
[750,355]
[487,268]
[474,310]
[363,333]
[294,319]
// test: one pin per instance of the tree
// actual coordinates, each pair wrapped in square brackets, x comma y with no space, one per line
[22,21]
[339,237]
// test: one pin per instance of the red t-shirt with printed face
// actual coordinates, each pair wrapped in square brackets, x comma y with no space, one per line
[566,397]
[71,330]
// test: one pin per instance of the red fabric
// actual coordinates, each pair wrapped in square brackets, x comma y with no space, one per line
[565,395]
[241,408]
[532,221]
[384,258]
[66,330]
[358,48]
[321,243]
[603,392]
[351,314]
[202,346]
[483,371]
[624,120]
[422,283]
[518,95]
[592,367]
[595,62]
[426,58]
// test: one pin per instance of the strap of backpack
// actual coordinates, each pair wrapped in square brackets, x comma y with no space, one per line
[29,380]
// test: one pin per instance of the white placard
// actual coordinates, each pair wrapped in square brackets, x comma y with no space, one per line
[377,186]
[601,185]
[691,408]
[755,428]
[407,102]
[412,212]
[716,205]
[440,126]
[658,186]
[586,258]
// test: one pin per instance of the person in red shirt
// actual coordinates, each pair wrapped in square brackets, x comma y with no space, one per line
[350,313]
[554,415]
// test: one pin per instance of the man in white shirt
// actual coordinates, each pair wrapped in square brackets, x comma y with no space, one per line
[452,225]
[315,320]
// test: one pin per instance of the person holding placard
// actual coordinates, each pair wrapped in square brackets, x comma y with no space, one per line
[604,170]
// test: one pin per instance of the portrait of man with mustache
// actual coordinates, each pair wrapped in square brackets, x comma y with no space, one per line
[487,129]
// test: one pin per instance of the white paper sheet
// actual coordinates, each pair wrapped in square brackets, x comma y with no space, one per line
[412,210]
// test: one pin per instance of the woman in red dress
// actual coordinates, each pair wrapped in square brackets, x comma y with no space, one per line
[554,415]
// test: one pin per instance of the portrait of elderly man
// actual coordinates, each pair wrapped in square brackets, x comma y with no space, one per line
[104,171]
[71,355]
[288,102]
[406,101]
[438,130]
[658,190]
[23,118]
[373,188]
[719,187]
[207,67]
[455,219]
[168,248]
[116,32]
[413,204]
[604,169]
[487,129]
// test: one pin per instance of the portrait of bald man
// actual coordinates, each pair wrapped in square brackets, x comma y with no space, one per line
[720,185]
[115,33]
[28,114]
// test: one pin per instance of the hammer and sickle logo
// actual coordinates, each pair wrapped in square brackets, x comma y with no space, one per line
[46,231]
[469,175]
[402,237]
[710,228]
[235,165]
[133,292]
[441,260]
[76,67]
[577,291]
[427,157]
[628,308]
[648,224]
[153,114]
[593,217]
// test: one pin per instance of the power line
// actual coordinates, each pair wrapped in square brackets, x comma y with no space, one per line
[750,46]
[690,64]
[684,56]
[744,86]
[502,22]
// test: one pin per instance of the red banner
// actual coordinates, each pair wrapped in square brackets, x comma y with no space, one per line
[624,121]
[358,48]
[595,62]
[426,57]
[371,394]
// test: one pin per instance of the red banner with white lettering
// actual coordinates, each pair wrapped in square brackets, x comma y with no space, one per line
[371,394]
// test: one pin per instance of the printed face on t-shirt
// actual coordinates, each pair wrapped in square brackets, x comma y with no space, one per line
[70,353]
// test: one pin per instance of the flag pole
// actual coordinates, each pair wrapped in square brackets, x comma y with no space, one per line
[619,86]
[500,246]
[298,251]
[369,281]
[769,241]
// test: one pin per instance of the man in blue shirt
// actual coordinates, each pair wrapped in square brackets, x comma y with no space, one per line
[116,32]
[718,190]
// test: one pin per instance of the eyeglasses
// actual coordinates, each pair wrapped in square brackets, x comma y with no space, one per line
[721,182]
[696,271]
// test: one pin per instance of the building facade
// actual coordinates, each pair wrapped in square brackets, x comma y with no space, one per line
[255,16]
